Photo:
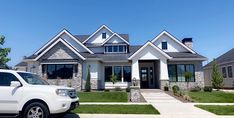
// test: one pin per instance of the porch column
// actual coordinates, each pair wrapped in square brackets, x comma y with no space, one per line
[135,71]
[164,78]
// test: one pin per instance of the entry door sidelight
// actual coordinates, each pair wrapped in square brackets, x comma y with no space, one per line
[144,77]
[151,78]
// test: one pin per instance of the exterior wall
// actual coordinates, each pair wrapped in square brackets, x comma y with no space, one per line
[227,82]
[97,38]
[199,76]
[171,44]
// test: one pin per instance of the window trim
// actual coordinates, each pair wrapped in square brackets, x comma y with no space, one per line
[106,50]
[228,71]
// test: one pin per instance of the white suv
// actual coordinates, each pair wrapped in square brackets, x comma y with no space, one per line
[28,96]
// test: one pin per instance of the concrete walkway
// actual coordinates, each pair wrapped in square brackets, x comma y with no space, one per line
[169,107]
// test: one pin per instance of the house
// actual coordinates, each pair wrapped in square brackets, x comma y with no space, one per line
[225,63]
[160,62]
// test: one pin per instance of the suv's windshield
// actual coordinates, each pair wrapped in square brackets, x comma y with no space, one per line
[32,79]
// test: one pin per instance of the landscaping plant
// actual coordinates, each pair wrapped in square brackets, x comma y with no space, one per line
[217,78]
[188,76]
[207,89]
[4,52]
[88,83]
[113,78]
[176,90]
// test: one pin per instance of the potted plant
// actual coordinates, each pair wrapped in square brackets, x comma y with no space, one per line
[166,88]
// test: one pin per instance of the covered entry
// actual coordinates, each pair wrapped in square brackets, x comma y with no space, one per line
[149,74]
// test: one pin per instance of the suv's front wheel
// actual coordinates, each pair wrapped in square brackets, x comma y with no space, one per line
[36,110]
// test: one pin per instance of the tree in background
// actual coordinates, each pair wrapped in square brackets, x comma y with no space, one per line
[88,83]
[217,78]
[4,52]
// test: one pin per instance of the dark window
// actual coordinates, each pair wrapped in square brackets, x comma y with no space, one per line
[127,73]
[109,48]
[224,72]
[190,68]
[60,71]
[118,72]
[115,48]
[172,72]
[177,72]
[121,48]
[104,35]
[164,45]
[180,73]
[230,72]
[6,79]
[108,73]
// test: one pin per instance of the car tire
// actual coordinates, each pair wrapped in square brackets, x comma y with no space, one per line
[36,109]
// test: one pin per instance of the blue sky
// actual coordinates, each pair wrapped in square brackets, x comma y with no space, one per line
[29,24]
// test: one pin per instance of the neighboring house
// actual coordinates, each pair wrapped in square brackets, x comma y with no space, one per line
[226,64]
[65,59]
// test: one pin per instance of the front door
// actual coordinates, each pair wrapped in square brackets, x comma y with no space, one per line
[147,77]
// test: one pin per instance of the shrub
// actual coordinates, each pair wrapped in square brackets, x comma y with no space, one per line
[107,90]
[207,89]
[195,89]
[88,83]
[128,89]
[118,89]
[113,78]
[176,90]
[217,78]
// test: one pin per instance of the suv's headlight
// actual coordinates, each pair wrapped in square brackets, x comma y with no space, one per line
[62,92]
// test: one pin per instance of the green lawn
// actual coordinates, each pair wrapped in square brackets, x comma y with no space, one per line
[103,96]
[218,109]
[212,97]
[116,109]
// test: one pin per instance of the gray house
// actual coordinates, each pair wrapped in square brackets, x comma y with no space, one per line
[226,64]
[162,61]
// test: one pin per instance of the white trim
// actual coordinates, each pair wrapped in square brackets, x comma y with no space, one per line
[58,35]
[51,46]
[103,26]
[115,34]
[61,63]
[155,47]
[175,39]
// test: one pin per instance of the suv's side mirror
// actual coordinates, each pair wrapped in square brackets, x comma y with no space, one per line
[15,84]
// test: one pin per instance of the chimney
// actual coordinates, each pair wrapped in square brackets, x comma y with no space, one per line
[188,42]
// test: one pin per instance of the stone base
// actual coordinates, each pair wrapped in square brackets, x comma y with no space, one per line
[135,94]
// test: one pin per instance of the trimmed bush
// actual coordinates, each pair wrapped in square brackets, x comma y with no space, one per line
[207,89]
[176,90]
[128,89]
[195,89]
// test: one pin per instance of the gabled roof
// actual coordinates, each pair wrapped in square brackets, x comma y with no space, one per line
[227,57]
[57,36]
[65,43]
[173,38]
[103,26]
[115,34]
[152,45]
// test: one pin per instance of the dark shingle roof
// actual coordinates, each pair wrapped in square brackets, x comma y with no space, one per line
[184,55]
[21,64]
[225,58]
[82,38]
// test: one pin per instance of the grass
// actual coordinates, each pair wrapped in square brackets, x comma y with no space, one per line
[103,96]
[218,109]
[116,109]
[212,97]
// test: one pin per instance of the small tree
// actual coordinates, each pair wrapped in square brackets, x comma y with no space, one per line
[188,76]
[217,78]
[113,78]
[4,52]
[88,83]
